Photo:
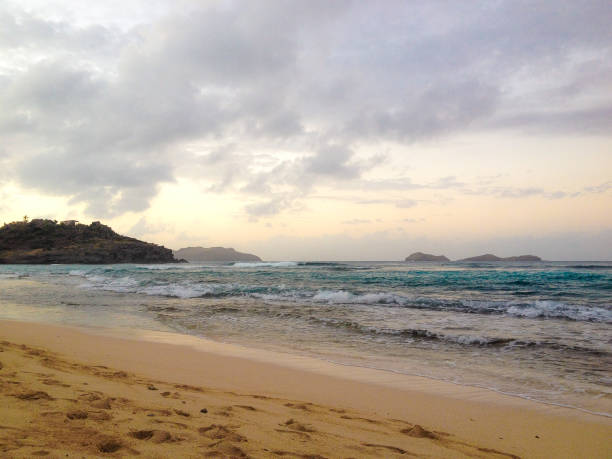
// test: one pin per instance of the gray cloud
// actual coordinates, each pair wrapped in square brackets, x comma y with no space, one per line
[144,226]
[271,206]
[102,114]
[25,31]
[406,203]
[332,161]
[602,188]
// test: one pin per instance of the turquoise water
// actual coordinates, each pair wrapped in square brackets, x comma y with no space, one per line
[536,330]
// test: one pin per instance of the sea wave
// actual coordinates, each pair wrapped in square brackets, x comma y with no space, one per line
[169,266]
[178,291]
[413,333]
[265,264]
[186,288]
[13,275]
[280,282]
[590,266]
[459,339]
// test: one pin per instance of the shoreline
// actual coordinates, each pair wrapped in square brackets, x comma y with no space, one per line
[324,366]
[478,416]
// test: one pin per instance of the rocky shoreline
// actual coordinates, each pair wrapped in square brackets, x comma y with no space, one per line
[42,241]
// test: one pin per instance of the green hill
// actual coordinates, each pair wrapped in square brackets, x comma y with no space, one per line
[47,241]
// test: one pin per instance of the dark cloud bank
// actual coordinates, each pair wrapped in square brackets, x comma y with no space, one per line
[105,116]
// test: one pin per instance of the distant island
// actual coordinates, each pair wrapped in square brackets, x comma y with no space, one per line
[42,241]
[491,257]
[420,256]
[214,254]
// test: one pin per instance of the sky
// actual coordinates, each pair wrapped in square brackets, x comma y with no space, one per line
[316,130]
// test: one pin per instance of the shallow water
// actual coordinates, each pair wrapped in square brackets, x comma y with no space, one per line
[537,330]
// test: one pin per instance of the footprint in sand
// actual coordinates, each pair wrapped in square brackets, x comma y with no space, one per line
[188,387]
[54,382]
[371,421]
[302,435]
[102,404]
[35,352]
[226,411]
[34,395]
[395,449]
[220,432]
[247,407]
[109,445]
[99,416]
[90,396]
[418,432]
[77,414]
[295,425]
[223,449]
[299,406]
[156,436]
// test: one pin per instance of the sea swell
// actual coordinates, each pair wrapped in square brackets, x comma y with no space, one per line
[459,339]
[178,286]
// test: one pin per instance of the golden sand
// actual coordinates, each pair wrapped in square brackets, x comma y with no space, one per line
[69,393]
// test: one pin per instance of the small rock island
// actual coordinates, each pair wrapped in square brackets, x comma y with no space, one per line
[487,257]
[420,256]
[42,241]
[491,257]
[214,254]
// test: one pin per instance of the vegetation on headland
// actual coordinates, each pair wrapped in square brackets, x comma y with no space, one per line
[42,241]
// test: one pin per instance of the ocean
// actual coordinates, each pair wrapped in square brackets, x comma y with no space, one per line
[539,330]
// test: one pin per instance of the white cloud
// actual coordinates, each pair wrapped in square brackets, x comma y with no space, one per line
[99,106]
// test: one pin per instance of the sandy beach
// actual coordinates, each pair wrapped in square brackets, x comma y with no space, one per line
[70,392]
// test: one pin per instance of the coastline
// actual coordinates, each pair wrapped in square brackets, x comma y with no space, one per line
[489,422]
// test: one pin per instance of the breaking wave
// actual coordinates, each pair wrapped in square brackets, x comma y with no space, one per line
[265,264]
[180,287]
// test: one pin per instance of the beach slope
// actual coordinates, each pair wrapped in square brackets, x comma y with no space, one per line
[66,391]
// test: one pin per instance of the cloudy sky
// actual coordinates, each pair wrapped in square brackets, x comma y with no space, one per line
[314,130]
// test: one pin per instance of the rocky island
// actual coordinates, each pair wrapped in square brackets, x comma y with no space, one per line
[46,241]
[491,257]
[214,254]
[420,256]
[487,257]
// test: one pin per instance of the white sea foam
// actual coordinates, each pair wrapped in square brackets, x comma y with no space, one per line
[344,297]
[469,340]
[168,266]
[552,309]
[127,284]
[97,279]
[270,264]
[189,289]
[334,296]
[178,291]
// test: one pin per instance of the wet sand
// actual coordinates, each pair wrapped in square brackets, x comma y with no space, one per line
[89,393]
